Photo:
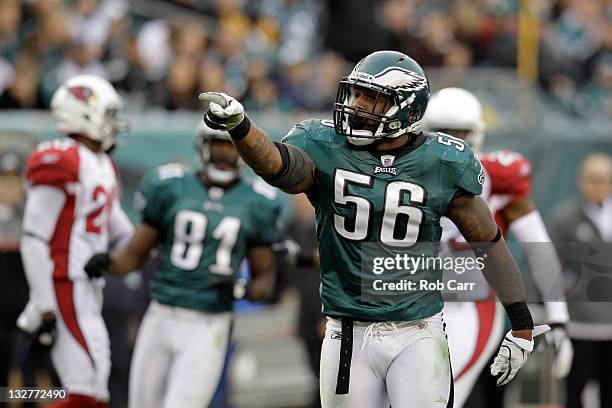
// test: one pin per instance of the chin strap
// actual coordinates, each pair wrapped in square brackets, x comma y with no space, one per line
[220,176]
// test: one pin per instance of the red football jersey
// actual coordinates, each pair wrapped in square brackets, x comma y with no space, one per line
[89,183]
[508,179]
[54,164]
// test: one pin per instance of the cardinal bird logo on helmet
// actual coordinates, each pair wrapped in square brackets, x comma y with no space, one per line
[83,93]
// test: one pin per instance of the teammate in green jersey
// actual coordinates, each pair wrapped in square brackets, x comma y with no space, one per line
[379,187]
[205,224]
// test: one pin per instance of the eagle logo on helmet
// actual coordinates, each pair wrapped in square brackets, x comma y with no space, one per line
[414,82]
[83,93]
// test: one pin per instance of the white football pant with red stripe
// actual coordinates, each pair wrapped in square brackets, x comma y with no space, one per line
[475,330]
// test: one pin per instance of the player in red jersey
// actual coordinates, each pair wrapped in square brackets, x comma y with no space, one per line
[72,212]
[475,328]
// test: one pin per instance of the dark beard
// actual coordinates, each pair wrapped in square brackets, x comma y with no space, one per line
[358,122]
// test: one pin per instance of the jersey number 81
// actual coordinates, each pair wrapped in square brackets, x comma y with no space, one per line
[189,236]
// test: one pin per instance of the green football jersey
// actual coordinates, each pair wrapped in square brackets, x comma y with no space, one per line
[377,214]
[205,232]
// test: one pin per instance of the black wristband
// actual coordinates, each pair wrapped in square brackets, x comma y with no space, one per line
[519,315]
[240,131]
[305,260]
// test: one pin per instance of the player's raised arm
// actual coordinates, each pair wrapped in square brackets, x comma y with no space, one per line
[284,166]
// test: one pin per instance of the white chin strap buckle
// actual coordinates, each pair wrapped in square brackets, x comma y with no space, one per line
[220,176]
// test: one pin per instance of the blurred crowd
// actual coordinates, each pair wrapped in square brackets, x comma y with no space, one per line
[287,54]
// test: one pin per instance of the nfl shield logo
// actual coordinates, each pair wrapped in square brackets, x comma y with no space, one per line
[387,160]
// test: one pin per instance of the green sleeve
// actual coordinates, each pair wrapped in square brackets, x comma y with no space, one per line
[473,176]
[149,199]
[298,136]
[266,217]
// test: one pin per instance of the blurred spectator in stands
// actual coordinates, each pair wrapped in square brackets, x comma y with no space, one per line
[344,23]
[81,59]
[328,71]
[13,286]
[52,30]
[304,276]
[130,76]
[294,37]
[295,81]
[436,37]
[115,52]
[226,9]
[398,22]
[575,37]
[154,48]
[262,91]
[264,36]
[212,76]
[24,91]
[563,89]
[456,64]
[189,39]
[311,84]
[299,29]
[458,57]
[7,74]
[230,49]
[91,21]
[10,18]
[501,44]
[596,95]
[581,222]
[181,85]
[474,28]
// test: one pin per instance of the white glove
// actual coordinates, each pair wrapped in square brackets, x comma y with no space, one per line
[563,352]
[289,248]
[513,355]
[30,318]
[224,112]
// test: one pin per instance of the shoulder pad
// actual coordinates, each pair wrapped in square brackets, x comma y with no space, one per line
[298,130]
[264,189]
[310,129]
[162,177]
[449,148]
[171,170]
[508,171]
[53,163]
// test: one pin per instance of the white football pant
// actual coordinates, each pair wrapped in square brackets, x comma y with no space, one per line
[81,353]
[405,364]
[178,357]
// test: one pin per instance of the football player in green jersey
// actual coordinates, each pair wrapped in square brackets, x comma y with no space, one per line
[205,224]
[379,186]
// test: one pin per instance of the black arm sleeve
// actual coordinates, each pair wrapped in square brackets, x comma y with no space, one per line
[297,166]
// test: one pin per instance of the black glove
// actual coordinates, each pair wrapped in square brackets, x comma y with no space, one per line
[98,264]
[289,248]
[230,290]
[44,338]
